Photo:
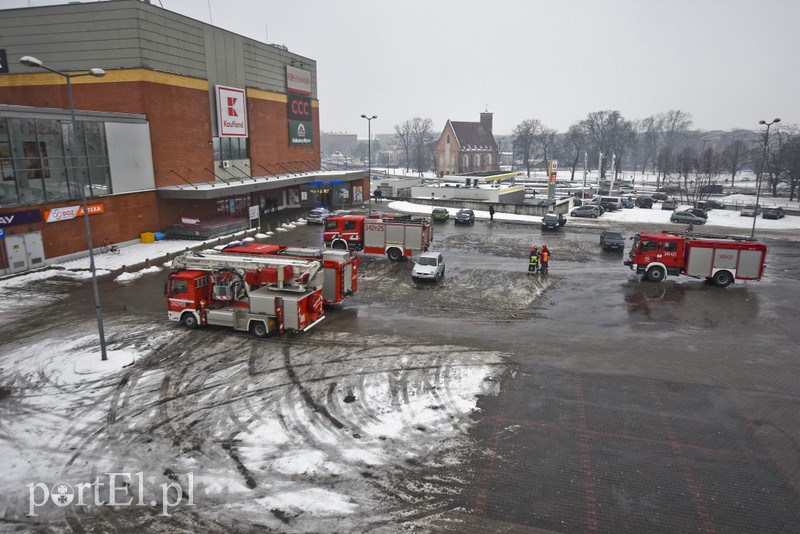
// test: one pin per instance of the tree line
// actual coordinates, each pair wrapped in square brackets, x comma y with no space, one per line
[663,144]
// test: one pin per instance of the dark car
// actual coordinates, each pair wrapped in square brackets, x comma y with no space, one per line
[465,217]
[551,221]
[644,202]
[659,196]
[773,213]
[628,203]
[710,204]
[587,210]
[612,240]
[686,217]
[669,204]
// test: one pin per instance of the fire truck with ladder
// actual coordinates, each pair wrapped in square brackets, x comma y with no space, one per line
[339,267]
[262,295]
[394,236]
[718,258]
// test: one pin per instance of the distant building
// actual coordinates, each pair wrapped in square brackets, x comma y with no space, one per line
[343,143]
[467,147]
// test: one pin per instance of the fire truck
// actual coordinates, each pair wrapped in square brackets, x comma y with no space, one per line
[262,295]
[339,267]
[394,236]
[720,259]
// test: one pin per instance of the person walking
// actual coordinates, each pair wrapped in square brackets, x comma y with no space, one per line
[491,212]
[545,259]
[533,260]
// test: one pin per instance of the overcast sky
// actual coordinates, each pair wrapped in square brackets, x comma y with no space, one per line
[728,63]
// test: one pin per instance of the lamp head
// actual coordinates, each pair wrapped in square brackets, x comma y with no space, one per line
[762,122]
[97,72]
[30,61]
[776,120]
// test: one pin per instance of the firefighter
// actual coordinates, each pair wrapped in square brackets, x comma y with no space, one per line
[545,257]
[533,261]
[491,212]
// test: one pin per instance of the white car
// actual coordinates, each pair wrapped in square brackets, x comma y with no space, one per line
[429,266]
[318,216]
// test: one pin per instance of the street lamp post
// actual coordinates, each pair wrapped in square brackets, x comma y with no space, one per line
[761,173]
[369,158]
[97,73]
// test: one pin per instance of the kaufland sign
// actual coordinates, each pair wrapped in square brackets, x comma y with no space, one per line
[231,112]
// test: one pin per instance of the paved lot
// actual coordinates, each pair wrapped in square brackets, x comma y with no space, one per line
[619,405]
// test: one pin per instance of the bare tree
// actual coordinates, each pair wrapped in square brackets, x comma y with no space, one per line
[403,138]
[547,138]
[646,147]
[671,124]
[734,157]
[610,134]
[574,146]
[422,138]
[525,137]
[790,159]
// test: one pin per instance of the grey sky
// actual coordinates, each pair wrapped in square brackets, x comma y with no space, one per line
[728,63]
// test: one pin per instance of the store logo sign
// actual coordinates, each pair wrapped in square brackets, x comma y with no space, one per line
[231,112]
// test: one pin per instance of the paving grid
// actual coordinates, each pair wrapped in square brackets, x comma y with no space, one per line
[585,452]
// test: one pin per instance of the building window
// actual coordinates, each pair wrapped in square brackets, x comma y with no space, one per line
[448,139]
[477,160]
[37,164]
[466,160]
[488,159]
[228,148]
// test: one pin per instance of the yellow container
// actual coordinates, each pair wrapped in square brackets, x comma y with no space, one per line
[148,237]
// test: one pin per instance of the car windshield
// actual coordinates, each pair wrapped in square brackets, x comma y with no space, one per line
[427,261]
[613,235]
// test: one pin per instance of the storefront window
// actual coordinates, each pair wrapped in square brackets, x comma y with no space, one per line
[36,163]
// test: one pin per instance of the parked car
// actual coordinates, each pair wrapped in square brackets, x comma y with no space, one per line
[587,210]
[751,210]
[551,221]
[612,240]
[644,202]
[318,216]
[669,204]
[440,215]
[686,217]
[465,217]
[429,266]
[773,213]
[659,196]
[710,204]
[699,212]
[627,203]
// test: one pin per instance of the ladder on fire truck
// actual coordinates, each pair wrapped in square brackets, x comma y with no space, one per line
[708,236]
[289,274]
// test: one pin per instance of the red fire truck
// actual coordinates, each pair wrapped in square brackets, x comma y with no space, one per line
[396,237]
[339,267]
[262,295]
[720,259]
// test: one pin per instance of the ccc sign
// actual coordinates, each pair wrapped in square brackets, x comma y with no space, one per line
[299,108]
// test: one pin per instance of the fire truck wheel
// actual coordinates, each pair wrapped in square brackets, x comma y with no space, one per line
[656,274]
[394,254]
[189,320]
[259,329]
[722,279]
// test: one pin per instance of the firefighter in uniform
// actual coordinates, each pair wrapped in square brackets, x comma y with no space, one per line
[533,262]
[545,259]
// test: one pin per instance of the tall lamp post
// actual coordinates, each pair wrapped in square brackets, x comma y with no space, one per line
[761,173]
[369,158]
[97,73]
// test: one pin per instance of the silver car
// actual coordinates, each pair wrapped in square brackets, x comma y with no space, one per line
[429,266]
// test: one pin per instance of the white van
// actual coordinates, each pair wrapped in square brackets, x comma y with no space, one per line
[607,202]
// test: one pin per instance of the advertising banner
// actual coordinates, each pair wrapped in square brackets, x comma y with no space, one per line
[299,108]
[231,112]
[298,80]
[20,217]
[66,213]
[301,133]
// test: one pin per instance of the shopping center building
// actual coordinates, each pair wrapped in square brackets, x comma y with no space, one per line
[190,125]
